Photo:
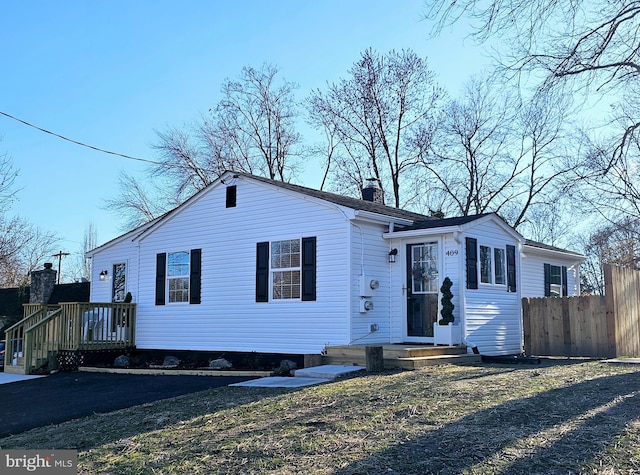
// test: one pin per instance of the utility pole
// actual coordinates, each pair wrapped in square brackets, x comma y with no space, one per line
[60,255]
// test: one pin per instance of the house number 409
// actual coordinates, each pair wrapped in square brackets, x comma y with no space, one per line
[452,252]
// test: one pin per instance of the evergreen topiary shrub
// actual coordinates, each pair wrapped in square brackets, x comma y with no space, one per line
[447,305]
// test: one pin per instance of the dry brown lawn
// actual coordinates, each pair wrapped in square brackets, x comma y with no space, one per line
[558,417]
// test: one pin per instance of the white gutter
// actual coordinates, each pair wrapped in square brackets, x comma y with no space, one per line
[381,218]
[529,249]
[421,232]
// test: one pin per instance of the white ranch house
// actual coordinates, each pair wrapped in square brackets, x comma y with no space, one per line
[252,264]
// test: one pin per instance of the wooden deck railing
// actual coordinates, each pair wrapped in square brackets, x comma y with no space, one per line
[47,329]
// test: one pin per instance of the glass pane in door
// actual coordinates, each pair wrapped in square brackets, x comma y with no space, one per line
[422,289]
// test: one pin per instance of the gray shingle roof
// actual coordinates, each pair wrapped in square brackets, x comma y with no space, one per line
[431,223]
[548,247]
[346,201]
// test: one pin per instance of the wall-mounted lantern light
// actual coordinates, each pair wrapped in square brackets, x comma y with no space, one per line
[103,275]
[392,255]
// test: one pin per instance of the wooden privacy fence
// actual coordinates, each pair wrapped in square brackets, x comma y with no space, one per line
[595,326]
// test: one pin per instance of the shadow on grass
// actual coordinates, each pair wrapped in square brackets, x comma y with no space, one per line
[556,431]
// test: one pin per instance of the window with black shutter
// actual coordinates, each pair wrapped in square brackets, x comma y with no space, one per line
[286,270]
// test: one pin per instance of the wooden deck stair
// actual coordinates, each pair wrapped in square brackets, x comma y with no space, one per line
[404,356]
[48,333]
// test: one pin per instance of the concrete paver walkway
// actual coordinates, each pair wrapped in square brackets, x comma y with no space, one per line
[303,377]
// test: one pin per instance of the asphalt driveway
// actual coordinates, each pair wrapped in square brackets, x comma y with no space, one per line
[65,396]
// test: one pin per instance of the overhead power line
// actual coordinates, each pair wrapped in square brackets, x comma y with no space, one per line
[82,144]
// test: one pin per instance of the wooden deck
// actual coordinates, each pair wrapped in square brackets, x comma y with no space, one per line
[49,330]
[405,356]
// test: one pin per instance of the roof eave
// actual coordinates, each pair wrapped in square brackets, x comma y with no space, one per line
[558,252]
[382,218]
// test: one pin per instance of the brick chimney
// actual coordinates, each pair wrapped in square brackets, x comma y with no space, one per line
[42,282]
[372,192]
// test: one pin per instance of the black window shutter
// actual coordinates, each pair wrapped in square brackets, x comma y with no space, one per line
[195,276]
[564,282]
[231,196]
[547,280]
[511,268]
[309,269]
[262,272]
[472,262]
[161,271]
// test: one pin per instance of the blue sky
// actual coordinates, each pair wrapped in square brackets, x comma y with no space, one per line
[110,73]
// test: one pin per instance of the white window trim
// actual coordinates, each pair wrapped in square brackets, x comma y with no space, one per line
[492,265]
[168,278]
[273,270]
[126,278]
[560,285]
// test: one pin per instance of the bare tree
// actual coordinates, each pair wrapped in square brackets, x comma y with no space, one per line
[8,175]
[618,244]
[494,153]
[251,129]
[256,120]
[23,248]
[382,117]
[585,45]
[469,160]
[81,264]
[137,204]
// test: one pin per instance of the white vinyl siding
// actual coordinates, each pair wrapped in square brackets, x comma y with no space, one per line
[123,252]
[369,257]
[493,320]
[532,276]
[228,318]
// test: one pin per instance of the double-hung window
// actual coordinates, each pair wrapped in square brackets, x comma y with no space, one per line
[178,276]
[555,281]
[492,265]
[286,270]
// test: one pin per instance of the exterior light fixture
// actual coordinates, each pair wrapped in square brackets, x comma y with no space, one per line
[103,275]
[392,255]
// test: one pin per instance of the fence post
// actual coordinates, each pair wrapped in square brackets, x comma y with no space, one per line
[611,310]
[526,326]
